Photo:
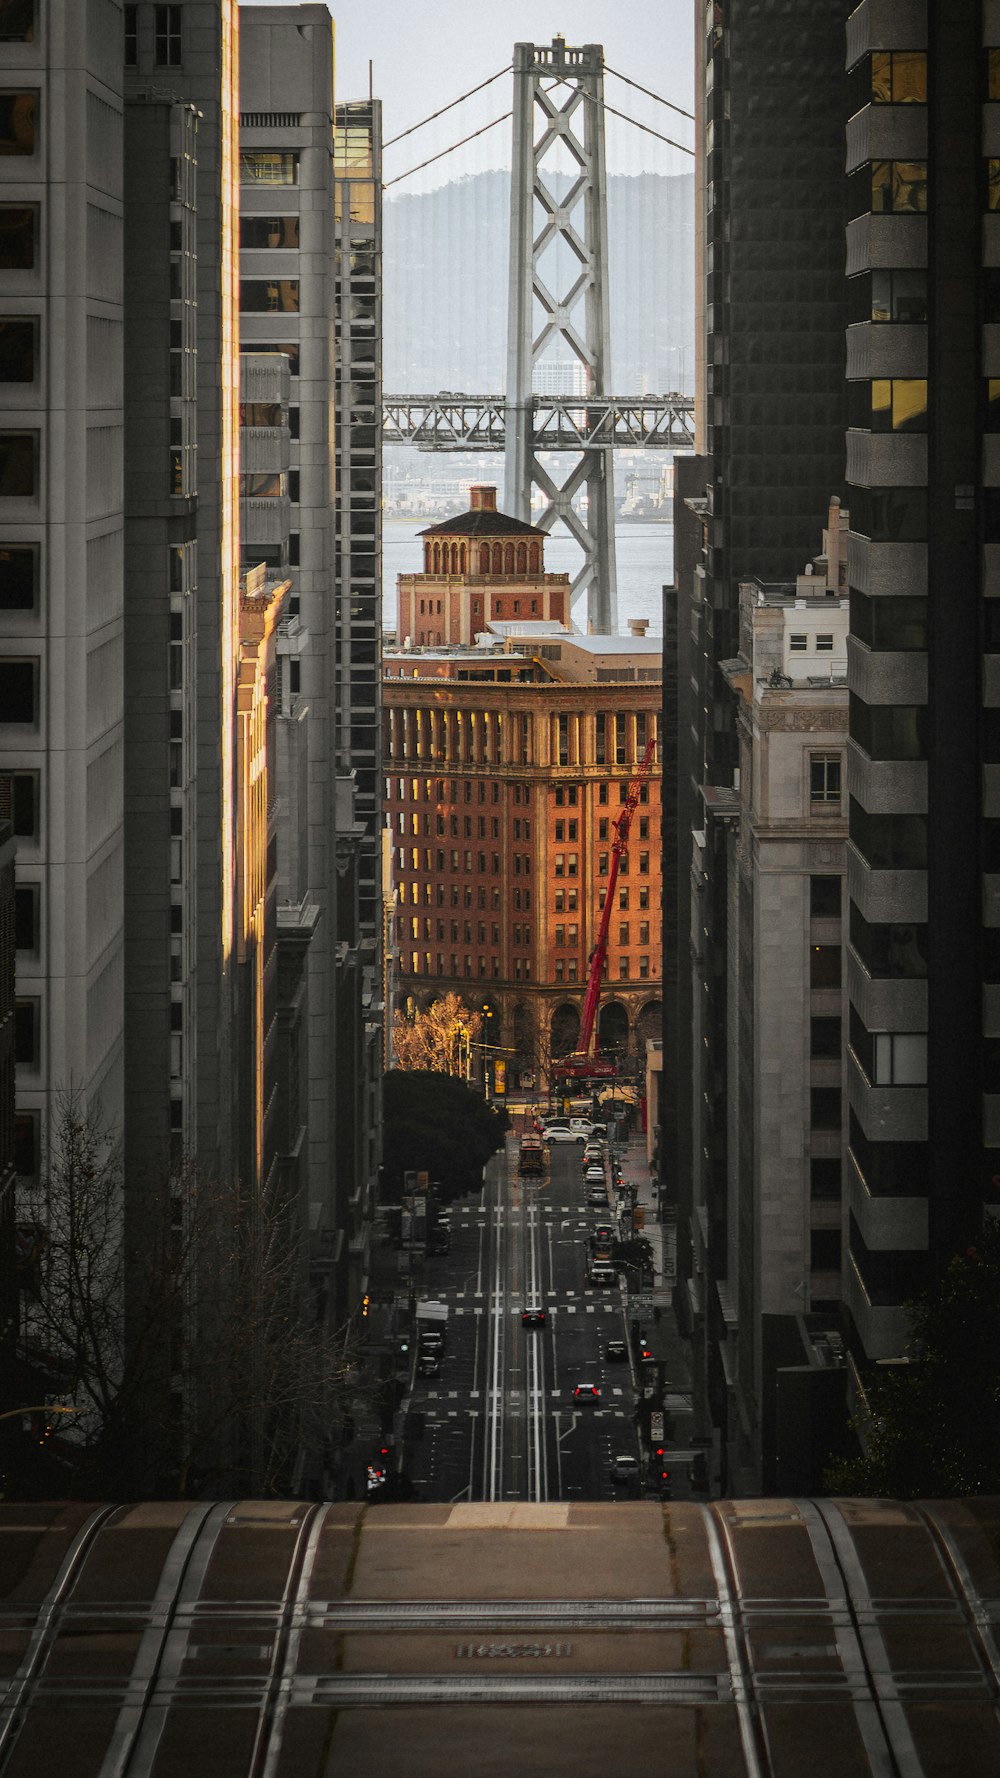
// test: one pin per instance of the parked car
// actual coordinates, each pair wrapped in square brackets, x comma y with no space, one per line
[593,1172]
[597,1197]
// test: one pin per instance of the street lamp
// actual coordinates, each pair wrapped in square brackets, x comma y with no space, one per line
[487,1015]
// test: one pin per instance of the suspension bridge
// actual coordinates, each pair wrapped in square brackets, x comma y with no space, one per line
[557,115]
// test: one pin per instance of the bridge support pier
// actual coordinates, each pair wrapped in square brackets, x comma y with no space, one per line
[562,90]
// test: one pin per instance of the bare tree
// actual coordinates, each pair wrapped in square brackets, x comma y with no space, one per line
[439,1040]
[185,1336]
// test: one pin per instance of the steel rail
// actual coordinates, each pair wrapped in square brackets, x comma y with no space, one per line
[737,1647]
[43,1635]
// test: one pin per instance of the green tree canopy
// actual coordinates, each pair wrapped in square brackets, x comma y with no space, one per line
[934,1429]
[436,1124]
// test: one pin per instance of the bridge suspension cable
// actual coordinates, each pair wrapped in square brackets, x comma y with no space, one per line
[650,94]
[634,121]
[450,107]
[440,157]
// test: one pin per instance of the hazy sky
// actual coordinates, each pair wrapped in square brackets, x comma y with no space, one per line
[427,52]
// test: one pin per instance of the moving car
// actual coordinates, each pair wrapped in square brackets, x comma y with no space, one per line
[603,1233]
[598,1194]
[595,1172]
[586,1392]
[624,1468]
[594,1151]
[601,1273]
[559,1133]
[533,1317]
[429,1364]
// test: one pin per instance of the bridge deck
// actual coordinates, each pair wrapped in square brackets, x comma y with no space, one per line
[761,1638]
[452,421]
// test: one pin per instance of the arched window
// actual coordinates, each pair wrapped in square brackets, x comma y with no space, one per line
[463,557]
[508,558]
[437,558]
[522,559]
[536,557]
[484,558]
[497,559]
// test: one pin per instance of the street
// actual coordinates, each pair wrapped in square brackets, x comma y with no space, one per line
[500,1421]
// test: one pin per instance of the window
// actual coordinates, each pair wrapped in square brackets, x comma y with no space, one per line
[890,515]
[898,404]
[131,37]
[644,967]
[17,350]
[17,237]
[888,731]
[623,969]
[271,233]
[27,1018]
[824,966]
[560,864]
[560,833]
[560,935]
[26,925]
[623,898]
[18,576]
[17,21]
[18,690]
[824,778]
[890,950]
[268,166]
[26,1144]
[889,842]
[623,933]
[644,897]
[602,793]
[25,801]
[601,744]
[824,1179]
[167,36]
[899,77]
[17,463]
[265,296]
[900,1059]
[824,1250]
[559,900]
[824,898]
[798,643]
[993,184]
[824,1039]
[572,862]
[571,899]
[890,625]
[571,970]
[899,187]
[894,295]
[824,1108]
[18,122]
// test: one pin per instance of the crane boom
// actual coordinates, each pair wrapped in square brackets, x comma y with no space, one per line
[585,1058]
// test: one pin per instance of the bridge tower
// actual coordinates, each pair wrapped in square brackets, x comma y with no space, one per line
[561,89]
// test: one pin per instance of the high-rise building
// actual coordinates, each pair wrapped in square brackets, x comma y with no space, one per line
[357,166]
[773,1253]
[61,729]
[923,248]
[510,742]
[310,291]
[771,418]
[182,551]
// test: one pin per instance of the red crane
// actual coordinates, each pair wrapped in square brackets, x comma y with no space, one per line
[585,1062]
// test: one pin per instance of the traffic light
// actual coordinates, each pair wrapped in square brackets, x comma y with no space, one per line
[365,1303]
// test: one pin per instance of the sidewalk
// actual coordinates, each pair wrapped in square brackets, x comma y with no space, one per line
[654,1311]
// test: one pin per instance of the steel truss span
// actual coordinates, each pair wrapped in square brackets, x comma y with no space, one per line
[762,1638]
[556,423]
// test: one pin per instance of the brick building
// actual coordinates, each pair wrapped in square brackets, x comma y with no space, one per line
[509,745]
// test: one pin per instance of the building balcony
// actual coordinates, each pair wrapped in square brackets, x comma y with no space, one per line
[886,459]
[884,1329]
[886,1114]
[876,23]
[887,1224]
[875,241]
[886,570]
[886,133]
[886,678]
[886,1003]
[887,786]
[264,521]
[886,896]
[877,349]
[265,450]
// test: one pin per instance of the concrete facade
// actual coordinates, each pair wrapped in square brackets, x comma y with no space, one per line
[61,511]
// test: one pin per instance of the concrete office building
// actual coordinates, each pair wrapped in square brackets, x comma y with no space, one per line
[61,730]
[357,166]
[923,264]
[309,251]
[182,543]
[771,419]
[773,1254]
